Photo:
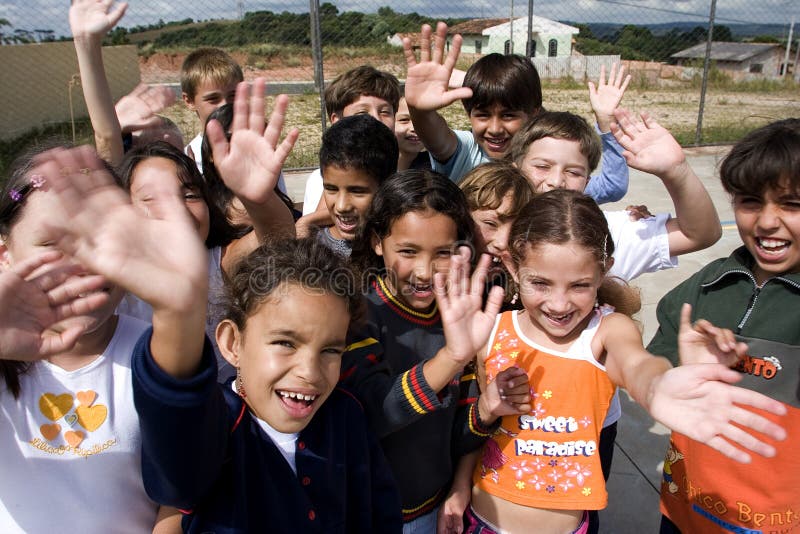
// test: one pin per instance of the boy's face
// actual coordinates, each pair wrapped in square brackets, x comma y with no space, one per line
[347,193]
[407,139]
[552,163]
[289,355]
[494,126]
[370,105]
[209,96]
[770,229]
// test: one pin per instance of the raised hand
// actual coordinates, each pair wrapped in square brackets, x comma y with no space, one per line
[428,81]
[467,324]
[139,109]
[250,164]
[649,147]
[702,342]
[700,402]
[35,295]
[94,18]
[605,97]
[162,261]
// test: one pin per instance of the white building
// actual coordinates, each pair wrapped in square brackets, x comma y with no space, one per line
[485,36]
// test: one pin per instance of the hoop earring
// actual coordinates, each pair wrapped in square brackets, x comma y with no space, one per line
[515,298]
[239,386]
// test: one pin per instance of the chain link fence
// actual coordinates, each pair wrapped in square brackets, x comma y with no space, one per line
[705,91]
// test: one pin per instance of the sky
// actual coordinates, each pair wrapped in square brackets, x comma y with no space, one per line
[52,14]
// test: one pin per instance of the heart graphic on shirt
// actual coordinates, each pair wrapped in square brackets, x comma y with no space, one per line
[55,406]
[50,432]
[74,437]
[91,417]
[71,419]
[86,398]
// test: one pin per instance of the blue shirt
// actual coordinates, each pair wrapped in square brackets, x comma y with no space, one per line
[608,186]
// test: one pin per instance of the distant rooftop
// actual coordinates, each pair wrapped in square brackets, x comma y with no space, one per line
[500,26]
[723,51]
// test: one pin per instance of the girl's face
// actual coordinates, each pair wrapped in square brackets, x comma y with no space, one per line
[289,354]
[419,244]
[558,286]
[494,227]
[407,140]
[155,179]
[29,236]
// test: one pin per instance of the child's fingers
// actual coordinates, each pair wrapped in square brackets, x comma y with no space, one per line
[61,342]
[438,42]
[240,105]
[480,274]
[116,14]
[276,119]
[408,52]
[73,289]
[625,83]
[725,447]
[686,317]
[26,267]
[440,281]
[752,421]
[453,53]
[286,146]
[425,43]
[81,305]
[495,301]
[255,117]
[217,139]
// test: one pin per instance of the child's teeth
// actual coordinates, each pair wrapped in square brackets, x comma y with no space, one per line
[772,243]
[298,396]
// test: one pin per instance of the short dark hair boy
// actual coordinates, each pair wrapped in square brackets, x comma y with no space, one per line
[358,153]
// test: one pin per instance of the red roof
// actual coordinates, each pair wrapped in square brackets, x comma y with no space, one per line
[476,26]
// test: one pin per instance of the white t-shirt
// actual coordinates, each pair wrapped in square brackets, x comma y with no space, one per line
[313,192]
[71,448]
[639,246]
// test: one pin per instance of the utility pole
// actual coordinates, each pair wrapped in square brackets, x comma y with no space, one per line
[706,67]
[529,51]
[788,50]
[511,24]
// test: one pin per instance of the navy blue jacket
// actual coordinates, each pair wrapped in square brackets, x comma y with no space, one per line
[204,453]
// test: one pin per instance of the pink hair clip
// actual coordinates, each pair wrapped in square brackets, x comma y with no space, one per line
[37,181]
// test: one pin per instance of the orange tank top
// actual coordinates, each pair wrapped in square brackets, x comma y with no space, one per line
[548,458]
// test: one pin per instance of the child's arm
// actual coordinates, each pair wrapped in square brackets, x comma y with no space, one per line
[36,294]
[612,182]
[393,401]
[427,90]
[649,147]
[319,217]
[139,109]
[250,164]
[162,261]
[451,513]
[89,21]
[168,521]
[696,400]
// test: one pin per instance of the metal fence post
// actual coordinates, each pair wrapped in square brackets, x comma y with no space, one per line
[706,67]
[529,44]
[316,54]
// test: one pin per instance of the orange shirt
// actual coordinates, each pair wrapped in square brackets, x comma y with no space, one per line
[548,458]
[704,491]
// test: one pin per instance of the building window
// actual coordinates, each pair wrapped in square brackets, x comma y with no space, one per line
[532,48]
[478,45]
[507,47]
[756,68]
[552,48]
